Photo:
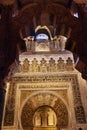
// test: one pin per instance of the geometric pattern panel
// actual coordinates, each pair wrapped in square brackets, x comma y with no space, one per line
[53,78]
[10,107]
[44,99]
[44,66]
[25,93]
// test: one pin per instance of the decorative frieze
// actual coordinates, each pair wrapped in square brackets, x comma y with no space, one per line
[46,66]
[44,99]
[44,79]
[10,106]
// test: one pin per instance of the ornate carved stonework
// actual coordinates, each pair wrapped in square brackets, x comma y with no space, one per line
[43,81]
[44,99]
[34,66]
[10,106]
[43,66]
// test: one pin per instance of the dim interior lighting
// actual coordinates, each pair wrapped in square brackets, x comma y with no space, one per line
[0,16]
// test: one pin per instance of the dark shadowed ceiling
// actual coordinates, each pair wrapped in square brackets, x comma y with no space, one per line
[19,18]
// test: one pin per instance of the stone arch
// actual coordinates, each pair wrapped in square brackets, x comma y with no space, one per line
[45,113]
[34,101]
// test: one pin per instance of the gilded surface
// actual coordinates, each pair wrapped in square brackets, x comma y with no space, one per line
[52,65]
[41,98]
[10,106]
[43,66]
[44,99]
[34,66]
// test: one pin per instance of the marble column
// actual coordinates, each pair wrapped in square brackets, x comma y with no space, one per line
[2,100]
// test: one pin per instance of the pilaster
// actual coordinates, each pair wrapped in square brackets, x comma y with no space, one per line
[2,100]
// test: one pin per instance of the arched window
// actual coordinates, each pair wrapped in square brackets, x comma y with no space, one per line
[42,36]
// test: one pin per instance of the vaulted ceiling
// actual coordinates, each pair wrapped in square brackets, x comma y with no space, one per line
[19,18]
